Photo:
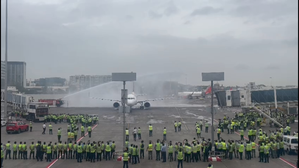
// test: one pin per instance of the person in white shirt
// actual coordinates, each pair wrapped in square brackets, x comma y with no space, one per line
[44,128]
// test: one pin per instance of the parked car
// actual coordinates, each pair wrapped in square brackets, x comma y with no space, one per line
[290,144]
[3,122]
[16,126]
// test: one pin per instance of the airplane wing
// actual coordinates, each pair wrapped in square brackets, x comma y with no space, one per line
[105,99]
[155,99]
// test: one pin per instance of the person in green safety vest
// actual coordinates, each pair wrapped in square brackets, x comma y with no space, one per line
[99,151]
[134,155]
[180,158]
[125,159]
[64,150]
[92,152]
[54,151]
[175,126]
[150,150]
[164,134]
[158,149]
[15,150]
[207,127]
[89,131]
[79,155]
[32,149]
[248,150]
[49,153]
[179,126]
[8,150]
[2,155]
[198,132]
[127,134]
[50,129]
[218,133]
[108,150]
[70,147]
[82,130]
[150,128]
[241,150]
[112,149]
[210,165]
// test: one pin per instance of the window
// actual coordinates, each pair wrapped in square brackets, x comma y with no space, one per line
[31,106]
[294,141]
[11,124]
[228,97]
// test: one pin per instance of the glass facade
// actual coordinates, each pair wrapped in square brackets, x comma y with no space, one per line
[268,95]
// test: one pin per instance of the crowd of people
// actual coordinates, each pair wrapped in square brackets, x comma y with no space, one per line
[256,143]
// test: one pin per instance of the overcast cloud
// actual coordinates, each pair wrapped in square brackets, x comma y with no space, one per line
[248,40]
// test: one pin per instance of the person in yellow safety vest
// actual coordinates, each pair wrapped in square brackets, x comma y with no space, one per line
[20,154]
[103,149]
[150,128]
[82,131]
[72,136]
[8,150]
[49,154]
[150,150]
[54,151]
[266,153]
[139,133]
[2,155]
[224,148]
[79,150]
[253,145]
[89,131]
[207,127]
[194,153]
[241,150]
[248,150]
[50,129]
[64,150]
[175,126]
[125,159]
[218,133]
[158,149]
[127,134]
[179,126]
[60,148]
[32,149]
[164,134]
[198,131]
[30,126]
[24,151]
[99,152]
[108,150]
[210,165]
[68,137]
[189,151]
[70,147]
[134,155]
[112,149]
[92,152]
[180,158]
[15,150]
[59,134]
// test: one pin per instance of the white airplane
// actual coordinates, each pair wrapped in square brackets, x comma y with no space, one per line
[132,101]
[190,95]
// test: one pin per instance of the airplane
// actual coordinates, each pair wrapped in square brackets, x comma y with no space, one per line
[132,101]
[197,95]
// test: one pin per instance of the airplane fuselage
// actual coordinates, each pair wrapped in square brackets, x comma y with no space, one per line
[131,100]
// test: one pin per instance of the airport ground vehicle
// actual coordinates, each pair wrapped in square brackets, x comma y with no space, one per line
[290,144]
[3,122]
[37,111]
[16,126]
[52,102]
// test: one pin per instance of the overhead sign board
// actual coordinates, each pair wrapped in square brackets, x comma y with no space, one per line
[212,76]
[131,76]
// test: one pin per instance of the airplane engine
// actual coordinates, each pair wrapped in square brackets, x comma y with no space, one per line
[147,104]
[116,105]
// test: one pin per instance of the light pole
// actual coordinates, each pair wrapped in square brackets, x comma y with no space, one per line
[123,77]
[5,82]
[212,76]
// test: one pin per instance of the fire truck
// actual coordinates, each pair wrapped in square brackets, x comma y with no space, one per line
[52,102]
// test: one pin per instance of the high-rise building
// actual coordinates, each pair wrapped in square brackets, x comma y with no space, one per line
[16,73]
[80,82]
[2,74]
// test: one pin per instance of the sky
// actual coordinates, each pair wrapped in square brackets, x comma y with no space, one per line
[248,40]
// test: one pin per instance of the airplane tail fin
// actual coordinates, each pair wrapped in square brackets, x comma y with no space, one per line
[208,90]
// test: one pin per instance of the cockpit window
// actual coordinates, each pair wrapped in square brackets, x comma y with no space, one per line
[131,98]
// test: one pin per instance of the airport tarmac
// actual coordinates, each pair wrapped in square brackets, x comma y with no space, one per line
[110,128]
